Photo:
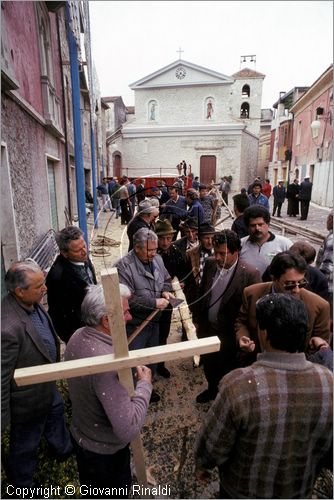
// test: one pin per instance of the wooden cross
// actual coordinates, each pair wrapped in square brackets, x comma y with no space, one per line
[180,51]
[121,361]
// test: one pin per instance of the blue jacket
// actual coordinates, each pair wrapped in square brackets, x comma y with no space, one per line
[259,200]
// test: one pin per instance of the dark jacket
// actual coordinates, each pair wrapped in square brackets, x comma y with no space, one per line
[136,223]
[305,191]
[22,346]
[279,194]
[175,211]
[240,227]
[174,262]
[140,193]
[66,291]
[243,276]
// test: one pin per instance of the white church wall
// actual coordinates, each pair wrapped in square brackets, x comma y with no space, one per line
[160,155]
[183,106]
[248,160]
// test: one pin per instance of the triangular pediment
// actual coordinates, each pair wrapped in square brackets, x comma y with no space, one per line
[181,73]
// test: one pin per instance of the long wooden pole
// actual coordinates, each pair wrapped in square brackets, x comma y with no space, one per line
[110,283]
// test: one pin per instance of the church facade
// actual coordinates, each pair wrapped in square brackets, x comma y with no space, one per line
[187,112]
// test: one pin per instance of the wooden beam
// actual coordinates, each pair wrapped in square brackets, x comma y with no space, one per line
[110,283]
[101,364]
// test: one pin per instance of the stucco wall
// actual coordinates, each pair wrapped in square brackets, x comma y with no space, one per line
[148,156]
[183,106]
[19,23]
[25,142]
[248,162]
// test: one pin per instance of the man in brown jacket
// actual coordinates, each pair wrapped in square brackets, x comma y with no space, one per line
[224,278]
[288,276]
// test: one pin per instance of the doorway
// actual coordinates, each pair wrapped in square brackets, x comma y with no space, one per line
[207,169]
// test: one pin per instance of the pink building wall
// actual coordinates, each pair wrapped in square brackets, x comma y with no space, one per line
[306,151]
[21,24]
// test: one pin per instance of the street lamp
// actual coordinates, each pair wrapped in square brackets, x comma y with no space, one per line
[316,125]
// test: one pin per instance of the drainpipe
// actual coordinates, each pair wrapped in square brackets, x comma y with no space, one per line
[92,145]
[79,164]
[67,161]
[92,103]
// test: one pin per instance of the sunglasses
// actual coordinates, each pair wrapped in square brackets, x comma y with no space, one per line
[291,286]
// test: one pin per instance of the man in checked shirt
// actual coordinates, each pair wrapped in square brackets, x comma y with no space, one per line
[269,430]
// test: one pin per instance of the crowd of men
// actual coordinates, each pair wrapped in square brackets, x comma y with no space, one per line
[269,429]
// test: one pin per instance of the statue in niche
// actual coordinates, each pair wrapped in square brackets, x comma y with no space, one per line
[152,110]
[209,110]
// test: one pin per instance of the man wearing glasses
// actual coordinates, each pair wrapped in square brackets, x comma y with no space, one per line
[288,276]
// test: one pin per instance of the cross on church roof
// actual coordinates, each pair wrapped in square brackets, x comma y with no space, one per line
[180,51]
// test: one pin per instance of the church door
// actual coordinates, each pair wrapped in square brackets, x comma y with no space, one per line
[117,166]
[207,169]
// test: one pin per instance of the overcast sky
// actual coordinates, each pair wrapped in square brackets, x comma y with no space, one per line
[292,41]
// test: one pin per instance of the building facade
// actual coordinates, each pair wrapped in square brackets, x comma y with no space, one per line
[39,167]
[312,146]
[187,112]
[279,167]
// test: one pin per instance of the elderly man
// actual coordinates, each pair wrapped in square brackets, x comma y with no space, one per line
[195,259]
[175,264]
[143,271]
[190,240]
[288,276]
[261,245]
[67,280]
[105,417]
[144,218]
[28,339]
[270,428]
[220,295]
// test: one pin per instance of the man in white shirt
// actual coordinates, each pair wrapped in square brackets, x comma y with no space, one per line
[259,248]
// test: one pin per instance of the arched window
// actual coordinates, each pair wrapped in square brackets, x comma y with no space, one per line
[152,111]
[245,91]
[244,110]
[44,35]
[209,108]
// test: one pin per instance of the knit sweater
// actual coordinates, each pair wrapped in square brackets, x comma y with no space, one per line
[269,427]
[105,418]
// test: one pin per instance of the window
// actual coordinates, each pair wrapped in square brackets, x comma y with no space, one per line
[299,131]
[244,110]
[245,91]
[44,42]
[51,102]
[52,195]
